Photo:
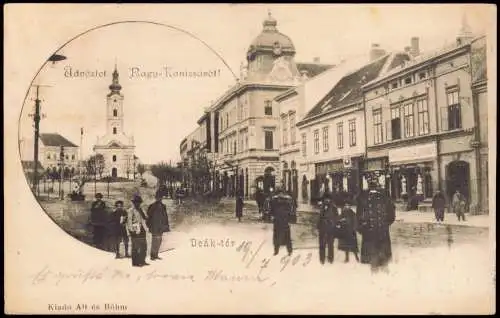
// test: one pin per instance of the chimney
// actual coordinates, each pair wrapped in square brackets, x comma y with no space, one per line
[316,60]
[376,52]
[415,46]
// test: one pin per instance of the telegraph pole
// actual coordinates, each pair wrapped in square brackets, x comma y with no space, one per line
[61,176]
[36,118]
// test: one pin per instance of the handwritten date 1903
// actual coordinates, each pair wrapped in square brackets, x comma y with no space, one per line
[249,256]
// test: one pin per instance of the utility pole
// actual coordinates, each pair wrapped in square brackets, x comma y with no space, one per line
[61,176]
[36,118]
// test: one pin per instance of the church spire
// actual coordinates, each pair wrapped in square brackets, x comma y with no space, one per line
[115,86]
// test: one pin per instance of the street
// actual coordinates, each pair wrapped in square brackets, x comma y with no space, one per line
[438,263]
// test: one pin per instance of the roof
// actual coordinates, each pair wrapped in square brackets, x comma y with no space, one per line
[55,139]
[313,69]
[349,89]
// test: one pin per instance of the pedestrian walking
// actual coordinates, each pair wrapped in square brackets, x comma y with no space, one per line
[157,222]
[438,204]
[348,240]
[266,206]
[239,205]
[119,228]
[376,213]
[327,224]
[281,208]
[136,224]
[458,204]
[98,221]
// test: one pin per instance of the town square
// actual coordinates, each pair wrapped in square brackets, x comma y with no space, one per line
[371,167]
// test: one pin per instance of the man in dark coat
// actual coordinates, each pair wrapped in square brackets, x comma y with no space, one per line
[327,223]
[157,221]
[119,228]
[438,204]
[376,213]
[239,205]
[98,220]
[281,206]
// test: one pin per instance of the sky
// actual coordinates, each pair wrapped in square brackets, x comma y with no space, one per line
[160,112]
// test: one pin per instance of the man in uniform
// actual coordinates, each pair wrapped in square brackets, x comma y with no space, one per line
[281,206]
[376,213]
[157,224]
[98,220]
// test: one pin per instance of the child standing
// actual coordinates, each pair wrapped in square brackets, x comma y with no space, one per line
[348,241]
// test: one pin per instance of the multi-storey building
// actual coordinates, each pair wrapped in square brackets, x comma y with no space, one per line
[423,124]
[243,122]
[332,133]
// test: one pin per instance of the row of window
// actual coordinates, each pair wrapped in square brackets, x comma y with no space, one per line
[408,80]
[412,125]
[288,129]
[227,118]
[56,156]
[326,141]
[232,143]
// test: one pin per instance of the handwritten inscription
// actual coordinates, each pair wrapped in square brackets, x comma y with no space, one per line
[212,243]
[255,268]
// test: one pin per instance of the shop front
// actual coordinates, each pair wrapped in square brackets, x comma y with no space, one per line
[338,177]
[413,171]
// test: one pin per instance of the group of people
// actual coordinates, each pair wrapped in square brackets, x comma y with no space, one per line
[458,205]
[122,225]
[337,220]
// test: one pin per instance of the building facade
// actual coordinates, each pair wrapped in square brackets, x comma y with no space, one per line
[117,147]
[243,124]
[333,133]
[49,153]
[424,126]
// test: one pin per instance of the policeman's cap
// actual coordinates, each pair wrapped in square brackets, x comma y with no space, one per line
[119,202]
[98,196]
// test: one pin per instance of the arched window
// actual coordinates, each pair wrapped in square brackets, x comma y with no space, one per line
[115,112]
[114,130]
[114,158]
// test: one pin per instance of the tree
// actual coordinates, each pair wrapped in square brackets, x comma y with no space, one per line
[95,165]
[141,169]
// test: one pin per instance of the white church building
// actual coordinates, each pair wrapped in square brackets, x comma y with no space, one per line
[117,148]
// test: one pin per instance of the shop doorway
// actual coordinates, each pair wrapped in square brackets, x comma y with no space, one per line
[114,172]
[458,178]
[269,179]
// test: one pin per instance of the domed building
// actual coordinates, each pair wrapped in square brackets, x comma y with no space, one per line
[242,126]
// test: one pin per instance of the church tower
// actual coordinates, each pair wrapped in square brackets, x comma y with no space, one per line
[117,148]
[114,114]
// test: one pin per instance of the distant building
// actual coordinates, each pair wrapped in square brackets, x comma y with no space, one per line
[49,149]
[117,148]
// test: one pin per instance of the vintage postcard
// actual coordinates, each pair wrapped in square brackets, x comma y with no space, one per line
[250,159]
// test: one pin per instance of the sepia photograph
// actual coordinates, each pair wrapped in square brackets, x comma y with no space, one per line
[250,159]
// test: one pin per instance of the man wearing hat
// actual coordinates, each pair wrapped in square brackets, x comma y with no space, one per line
[98,220]
[136,224]
[118,225]
[157,223]
[281,207]
[328,219]
[376,213]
